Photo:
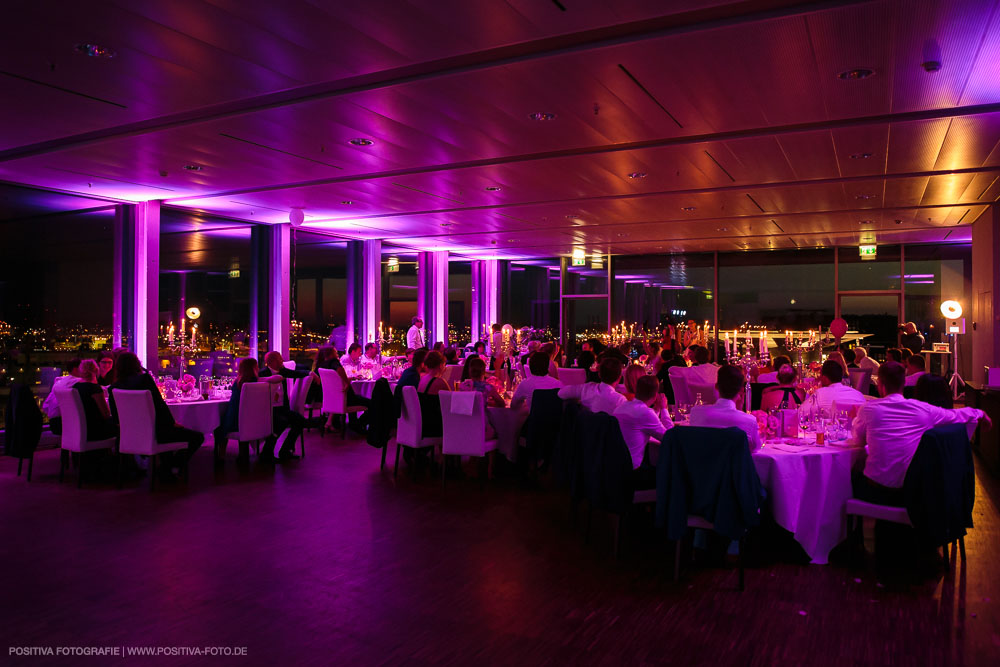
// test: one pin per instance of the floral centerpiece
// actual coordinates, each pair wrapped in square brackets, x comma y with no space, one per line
[186,384]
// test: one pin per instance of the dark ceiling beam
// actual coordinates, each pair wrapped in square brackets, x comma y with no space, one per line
[636,31]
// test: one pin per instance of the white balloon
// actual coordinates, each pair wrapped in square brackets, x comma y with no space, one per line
[296,216]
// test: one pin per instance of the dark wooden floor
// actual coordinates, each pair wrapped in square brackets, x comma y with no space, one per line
[328,561]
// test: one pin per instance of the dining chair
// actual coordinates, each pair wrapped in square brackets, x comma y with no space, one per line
[463,435]
[453,374]
[679,383]
[861,379]
[254,422]
[410,426]
[74,435]
[290,365]
[297,391]
[709,394]
[137,423]
[335,397]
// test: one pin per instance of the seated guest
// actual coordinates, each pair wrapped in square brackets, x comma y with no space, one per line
[246,372]
[642,418]
[552,350]
[653,359]
[786,391]
[727,410]
[632,374]
[327,358]
[106,366]
[479,349]
[701,371]
[51,404]
[832,390]
[538,378]
[282,415]
[353,361]
[862,360]
[847,352]
[598,396]
[894,354]
[130,375]
[914,370]
[477,382]
[533,346]
[839,358]
[95,407]
[371,357]
[450,356]
[891,427]
[439,347]
[935,390]
[410,377]
[430,385]
[776,364]
[905,353]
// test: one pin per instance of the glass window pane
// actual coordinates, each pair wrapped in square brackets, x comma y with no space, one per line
[877,274]
[876,315]
[534,296]
[656,290]
[591,279]
[584,318]
[777,290]
[319,288]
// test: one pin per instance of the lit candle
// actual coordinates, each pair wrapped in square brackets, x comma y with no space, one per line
[170,334]
[194,331]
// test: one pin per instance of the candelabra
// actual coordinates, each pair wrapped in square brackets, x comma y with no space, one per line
[181,346]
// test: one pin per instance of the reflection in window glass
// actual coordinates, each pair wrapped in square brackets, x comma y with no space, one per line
[459,302]
[936,273]
[64,312]
[777,290]
[656,290]
[204,266]
[881,273]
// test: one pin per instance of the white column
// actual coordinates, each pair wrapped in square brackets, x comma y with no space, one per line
[371,288]
[145,293]
[279,288]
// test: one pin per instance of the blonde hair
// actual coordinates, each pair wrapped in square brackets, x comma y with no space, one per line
[89,370]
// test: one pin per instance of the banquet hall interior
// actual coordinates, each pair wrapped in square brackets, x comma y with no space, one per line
[328,330]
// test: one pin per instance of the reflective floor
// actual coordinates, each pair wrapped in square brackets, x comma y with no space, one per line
[328,561]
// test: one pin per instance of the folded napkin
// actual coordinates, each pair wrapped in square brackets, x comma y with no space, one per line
[462,402]
[794,449]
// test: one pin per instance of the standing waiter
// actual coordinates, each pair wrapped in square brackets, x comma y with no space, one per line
[415,335]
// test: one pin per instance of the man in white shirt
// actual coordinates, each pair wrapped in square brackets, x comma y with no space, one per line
[891,427]
[415,334]
[862,360]
[598,396]
[914,369]
[727,410]
[539,378]
[832,390]
[643,417]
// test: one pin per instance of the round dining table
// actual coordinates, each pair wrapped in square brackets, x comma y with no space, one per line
[201,416]
[808,487]
[364,388]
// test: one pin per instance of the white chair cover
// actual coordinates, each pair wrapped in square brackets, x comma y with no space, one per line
[298,389]
[74,435]
[709,394]
[254,421]
[334,397]
[464,434]
[861,379]
[137,420]
[290,365]
[678,381]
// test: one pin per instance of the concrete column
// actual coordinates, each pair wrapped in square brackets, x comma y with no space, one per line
[432,294]
[139,300]
[981,315]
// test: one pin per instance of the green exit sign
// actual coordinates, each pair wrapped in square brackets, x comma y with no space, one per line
[868,251]
[579,261]
[392,268]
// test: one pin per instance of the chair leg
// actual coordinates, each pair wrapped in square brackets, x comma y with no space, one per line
[677,562]
[187,464]
[395,468]
[742,544]
[20,462]
[385,449]
[31,466]
[303,443]
[62,463]
[343,428]
[961,540]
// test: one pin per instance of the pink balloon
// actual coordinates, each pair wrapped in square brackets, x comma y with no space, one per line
[838,327]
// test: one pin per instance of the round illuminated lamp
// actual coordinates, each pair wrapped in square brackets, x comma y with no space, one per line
[193,313]
[952,310]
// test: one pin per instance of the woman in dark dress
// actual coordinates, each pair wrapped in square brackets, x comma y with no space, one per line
[95,406]
[430,384]
[130,375]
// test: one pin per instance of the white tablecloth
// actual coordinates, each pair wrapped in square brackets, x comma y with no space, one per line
[808,493]
[201,416]
[365,387]
[507,423]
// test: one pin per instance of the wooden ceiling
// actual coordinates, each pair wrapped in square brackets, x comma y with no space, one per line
[680,126]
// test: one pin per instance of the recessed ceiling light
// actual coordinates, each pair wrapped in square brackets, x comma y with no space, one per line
[622,235]
[361,142]
[860,156]
[96,51]
[542,115]
[899,222]
[347,202]
[637,174]
[865,197]
[865,222]
[687,208]
[722,229]
[493,188]
[447,224]
[511,240]
[193,167]
[856,74]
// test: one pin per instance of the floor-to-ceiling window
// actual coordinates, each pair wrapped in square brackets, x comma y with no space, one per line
[534,296]
[319,292]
